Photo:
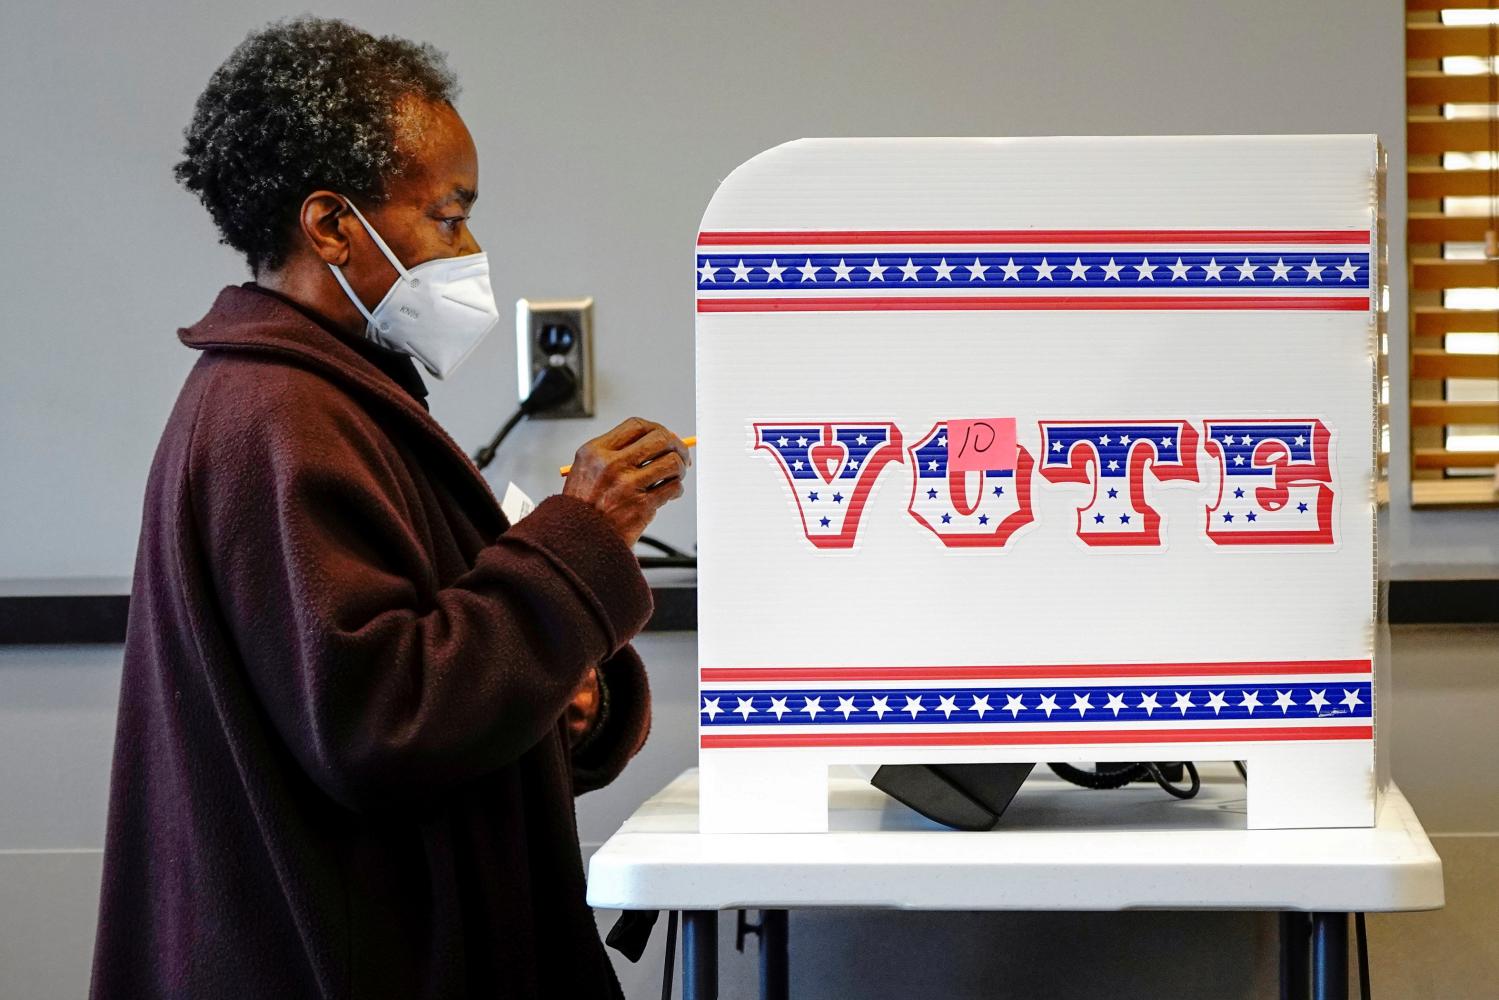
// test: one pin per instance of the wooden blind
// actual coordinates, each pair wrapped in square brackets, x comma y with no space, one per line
[1452,242]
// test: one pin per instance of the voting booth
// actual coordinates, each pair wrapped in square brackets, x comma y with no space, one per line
[1042,449]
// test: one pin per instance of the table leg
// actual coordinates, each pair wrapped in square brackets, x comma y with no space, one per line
[700,955]
[775,980]
[1295,964]
[1329,956]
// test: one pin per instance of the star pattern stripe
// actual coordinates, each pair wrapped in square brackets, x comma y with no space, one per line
[1259,702]
[1035,737]
[949,303]
[1050,673]
[1027,268]
[1037,237]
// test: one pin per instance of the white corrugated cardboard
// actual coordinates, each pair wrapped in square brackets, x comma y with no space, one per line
[1150,534]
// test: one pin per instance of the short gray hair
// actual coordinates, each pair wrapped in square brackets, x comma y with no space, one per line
[301,104]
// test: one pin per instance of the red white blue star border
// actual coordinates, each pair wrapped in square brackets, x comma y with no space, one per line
[1031,269]
[1081,704]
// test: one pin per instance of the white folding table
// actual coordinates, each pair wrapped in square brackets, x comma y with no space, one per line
[1059,847]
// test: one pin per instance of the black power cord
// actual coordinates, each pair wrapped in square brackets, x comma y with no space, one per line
[1100,777]
[1119,775]
[551,387]
[1154,770]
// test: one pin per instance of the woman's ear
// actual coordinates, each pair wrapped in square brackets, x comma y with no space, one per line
[322,223]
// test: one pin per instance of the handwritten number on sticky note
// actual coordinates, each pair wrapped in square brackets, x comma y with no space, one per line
[980,442]
[981,445]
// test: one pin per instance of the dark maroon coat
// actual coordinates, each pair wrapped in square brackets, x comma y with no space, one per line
[340,768]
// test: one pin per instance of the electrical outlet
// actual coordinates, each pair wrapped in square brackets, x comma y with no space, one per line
[552,333]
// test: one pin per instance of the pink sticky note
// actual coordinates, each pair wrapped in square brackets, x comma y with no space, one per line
[981,445]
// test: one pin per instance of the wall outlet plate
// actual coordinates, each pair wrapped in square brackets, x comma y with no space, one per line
[551,333]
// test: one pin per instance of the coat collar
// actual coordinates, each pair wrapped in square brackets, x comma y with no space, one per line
[245,320]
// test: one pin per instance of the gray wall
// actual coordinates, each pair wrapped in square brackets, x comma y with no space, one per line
[603,129]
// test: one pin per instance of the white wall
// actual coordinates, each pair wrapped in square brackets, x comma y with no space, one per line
[603,130]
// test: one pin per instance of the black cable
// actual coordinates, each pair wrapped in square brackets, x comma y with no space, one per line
[1102,778]
[1174,790]
[485,455]
[1099,778]
[1362,934]
[552,386]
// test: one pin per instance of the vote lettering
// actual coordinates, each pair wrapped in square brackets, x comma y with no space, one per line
[1273,477]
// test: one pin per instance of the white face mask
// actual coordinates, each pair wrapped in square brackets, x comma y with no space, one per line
[436,312]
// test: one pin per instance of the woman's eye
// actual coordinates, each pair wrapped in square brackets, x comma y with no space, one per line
[454,222]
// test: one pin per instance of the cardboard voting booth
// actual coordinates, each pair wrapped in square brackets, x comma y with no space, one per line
[1041,449]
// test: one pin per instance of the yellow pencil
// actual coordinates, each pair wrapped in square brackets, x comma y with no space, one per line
[688,441]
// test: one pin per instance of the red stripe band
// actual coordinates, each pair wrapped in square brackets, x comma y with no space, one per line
[1338,237]
[956,303]
[1059,671]
[1074,737]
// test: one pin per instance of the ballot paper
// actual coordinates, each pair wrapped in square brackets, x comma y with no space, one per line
[515,504]
[1041,449]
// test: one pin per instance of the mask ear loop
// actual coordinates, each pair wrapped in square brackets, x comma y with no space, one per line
[379,242]
[338,275]
[338,272]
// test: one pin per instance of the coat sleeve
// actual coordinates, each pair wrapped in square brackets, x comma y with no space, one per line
[386,687]
[623,732]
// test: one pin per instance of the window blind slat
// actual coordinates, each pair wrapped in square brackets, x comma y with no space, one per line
[1437,182]
[1428,363]
[1432,134]
[1434,40]
[1440,458]
[1434,87]
[1431,321]
[1439,273]
[1434,227]
[1447,412]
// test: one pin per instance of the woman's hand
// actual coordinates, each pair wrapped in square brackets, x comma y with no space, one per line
[629,473]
